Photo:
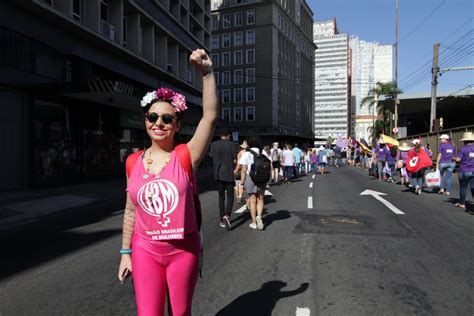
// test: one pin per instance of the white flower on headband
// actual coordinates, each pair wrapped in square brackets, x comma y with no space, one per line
[150,96]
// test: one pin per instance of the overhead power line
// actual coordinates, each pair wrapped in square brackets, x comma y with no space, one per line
[423,21]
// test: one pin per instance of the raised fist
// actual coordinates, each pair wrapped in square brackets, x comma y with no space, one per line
[201,61]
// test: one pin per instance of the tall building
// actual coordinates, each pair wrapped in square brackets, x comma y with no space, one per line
[73,73]
[332,75]
[263,54]
[371,63]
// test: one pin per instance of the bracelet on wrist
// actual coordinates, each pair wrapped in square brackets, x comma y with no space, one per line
[125,251]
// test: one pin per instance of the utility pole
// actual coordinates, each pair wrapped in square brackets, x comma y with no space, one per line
[434,83]
[395,85]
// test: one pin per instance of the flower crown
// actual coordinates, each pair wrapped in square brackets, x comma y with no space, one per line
[177,100]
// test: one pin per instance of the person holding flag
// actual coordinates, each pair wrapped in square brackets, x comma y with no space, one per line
[417,163]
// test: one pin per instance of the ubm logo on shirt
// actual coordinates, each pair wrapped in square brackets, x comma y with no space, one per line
[159,198]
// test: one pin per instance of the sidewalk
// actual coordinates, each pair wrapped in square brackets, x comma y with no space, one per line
[54,208]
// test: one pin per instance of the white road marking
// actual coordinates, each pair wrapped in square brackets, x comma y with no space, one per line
[377,196]
[313,176]
[242,209]
[310,202]
[311,185]
[303,311]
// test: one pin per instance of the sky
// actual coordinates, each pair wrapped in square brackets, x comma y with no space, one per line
[421,23]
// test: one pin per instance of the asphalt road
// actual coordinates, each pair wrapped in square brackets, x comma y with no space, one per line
[346,254]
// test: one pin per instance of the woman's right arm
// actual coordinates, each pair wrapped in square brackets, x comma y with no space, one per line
[127,234]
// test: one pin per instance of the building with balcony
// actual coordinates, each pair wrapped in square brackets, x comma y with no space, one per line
[73,73]
[264,55]
[371,63]
[332,76]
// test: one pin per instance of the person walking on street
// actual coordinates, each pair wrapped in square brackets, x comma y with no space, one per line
[445,163]
[298,158]
[267,152]
[276,162]
[254,191]
[161,242]
[288,160]
[224,153]
[381,153]
[417,163]
[402,162]
[322,158]
[314,160]
[466,168]
[307,160]
[391,163]
[239,187]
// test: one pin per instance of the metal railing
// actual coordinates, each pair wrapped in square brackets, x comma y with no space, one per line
[433,138]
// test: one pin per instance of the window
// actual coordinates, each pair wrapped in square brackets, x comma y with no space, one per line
[238,115]
[250,94]
[238,57]
[279,21]
[226,21]
[250,75]
[225,96]
[76,9]
[124,27]
[250,58]
[238,39]
[226,78]
[238,19]
[250,17]
[238,95]
[250,113]
[226,114]
[215,60]
[226,40]
[104,14]
[215,22]
[250,40]
[215,41]
[226,59]
[238,76]
[217,76]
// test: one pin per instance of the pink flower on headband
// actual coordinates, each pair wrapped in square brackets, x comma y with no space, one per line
[177,100]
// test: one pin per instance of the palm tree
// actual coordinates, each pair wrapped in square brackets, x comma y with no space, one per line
[371,100]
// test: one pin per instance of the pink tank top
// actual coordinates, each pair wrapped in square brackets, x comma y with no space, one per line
[164,204]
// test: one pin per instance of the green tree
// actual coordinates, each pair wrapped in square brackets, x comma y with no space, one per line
[383,114]
[329,140]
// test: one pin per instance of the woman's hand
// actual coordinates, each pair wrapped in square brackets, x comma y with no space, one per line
[125,264]
[201,61]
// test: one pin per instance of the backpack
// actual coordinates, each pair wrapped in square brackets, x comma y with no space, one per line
[275,155]
[261,169]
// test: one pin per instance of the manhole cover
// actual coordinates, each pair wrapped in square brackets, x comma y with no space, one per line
[335,220]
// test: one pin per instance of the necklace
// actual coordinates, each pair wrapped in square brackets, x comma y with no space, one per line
[149,162]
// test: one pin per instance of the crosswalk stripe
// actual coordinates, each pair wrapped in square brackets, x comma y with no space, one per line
[303,311]
[242,209]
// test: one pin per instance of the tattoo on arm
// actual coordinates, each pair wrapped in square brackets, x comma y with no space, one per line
[128,223]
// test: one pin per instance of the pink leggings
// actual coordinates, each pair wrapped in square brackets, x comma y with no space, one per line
[157,264]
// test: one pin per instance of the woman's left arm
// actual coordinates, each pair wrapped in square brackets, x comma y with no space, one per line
[205,130]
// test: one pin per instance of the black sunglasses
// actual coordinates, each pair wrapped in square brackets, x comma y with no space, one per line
[166,118]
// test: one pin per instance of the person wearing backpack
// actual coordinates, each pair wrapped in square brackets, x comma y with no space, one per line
[256,172]
[161,244]
[276,162]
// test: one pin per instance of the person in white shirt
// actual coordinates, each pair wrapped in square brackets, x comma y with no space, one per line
[288,160]
[255,192]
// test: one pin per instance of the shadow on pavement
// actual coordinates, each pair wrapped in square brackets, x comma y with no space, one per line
[30,249]
[275,216]
[262,301]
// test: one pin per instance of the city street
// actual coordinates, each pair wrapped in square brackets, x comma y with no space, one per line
[325,250]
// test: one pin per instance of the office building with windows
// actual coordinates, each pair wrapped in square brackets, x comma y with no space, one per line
[264,55]
[371,63]
[332,76]
[73,73]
